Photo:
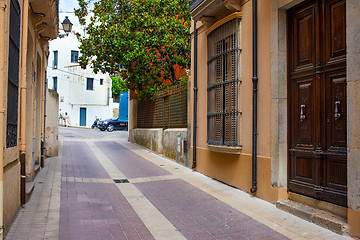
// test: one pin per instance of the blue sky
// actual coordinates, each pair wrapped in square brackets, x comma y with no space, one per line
[67,9]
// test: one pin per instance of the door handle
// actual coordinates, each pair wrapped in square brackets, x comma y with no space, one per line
[337,114]
[302,115]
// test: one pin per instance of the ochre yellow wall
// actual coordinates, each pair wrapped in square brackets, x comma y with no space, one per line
[10,167]
[245,95]
[234,169]
[11,192]
[354,222]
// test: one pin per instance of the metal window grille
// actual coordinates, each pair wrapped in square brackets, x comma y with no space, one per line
[13,79]
[74,56]
[55,61]
[224,60]
[89,84]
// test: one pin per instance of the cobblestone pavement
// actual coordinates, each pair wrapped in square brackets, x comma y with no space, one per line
[102,187]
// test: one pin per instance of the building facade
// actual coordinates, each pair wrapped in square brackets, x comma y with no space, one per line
[282,105]
[83,95]
[25,27]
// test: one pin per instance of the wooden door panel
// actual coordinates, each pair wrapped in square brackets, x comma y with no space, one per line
[336,112]
[303,114]
[317,100]
[337,197]
[304,40]
[304,43]
[336,138]
[304,168]
[336,172]
[335,32]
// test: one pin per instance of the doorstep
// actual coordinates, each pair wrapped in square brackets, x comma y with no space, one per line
[323,218]
[36,168]
[29,187]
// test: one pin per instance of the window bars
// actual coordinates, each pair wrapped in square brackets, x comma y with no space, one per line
[224,54]
[13,77]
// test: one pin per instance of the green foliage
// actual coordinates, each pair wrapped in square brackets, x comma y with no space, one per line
[150,38]
[118,86]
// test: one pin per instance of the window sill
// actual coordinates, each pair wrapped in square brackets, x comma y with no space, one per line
[225,149]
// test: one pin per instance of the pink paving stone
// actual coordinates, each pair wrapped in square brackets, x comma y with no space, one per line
[129,163]
[93,216]
[181,203]
[78,161]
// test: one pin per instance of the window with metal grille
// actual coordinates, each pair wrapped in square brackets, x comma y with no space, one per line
[74,56]
[89,84]
[224,55]
[55,61]
[55,84]
[13,75]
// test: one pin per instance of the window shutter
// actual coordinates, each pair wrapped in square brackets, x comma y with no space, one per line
[13,75]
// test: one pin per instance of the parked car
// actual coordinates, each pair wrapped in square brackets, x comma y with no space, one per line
[114,123]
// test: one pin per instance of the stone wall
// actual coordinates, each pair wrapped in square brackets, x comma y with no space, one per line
[172,143]
[51,125]
[353,114]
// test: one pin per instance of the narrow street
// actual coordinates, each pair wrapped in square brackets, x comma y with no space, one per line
[103,187]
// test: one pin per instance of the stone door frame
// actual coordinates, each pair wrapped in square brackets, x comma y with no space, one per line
[279,166]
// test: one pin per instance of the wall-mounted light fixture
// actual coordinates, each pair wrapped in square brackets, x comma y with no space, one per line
[67,25]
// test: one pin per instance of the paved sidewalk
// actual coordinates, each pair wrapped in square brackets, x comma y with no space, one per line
[112,189]
[39,218]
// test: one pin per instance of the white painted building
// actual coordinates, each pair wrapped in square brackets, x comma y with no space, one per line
[83,94]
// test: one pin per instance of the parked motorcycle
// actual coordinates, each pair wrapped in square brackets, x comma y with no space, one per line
[95,124]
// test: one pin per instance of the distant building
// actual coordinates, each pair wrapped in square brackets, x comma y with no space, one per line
[83,94]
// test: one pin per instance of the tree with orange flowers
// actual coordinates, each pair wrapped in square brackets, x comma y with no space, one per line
[149,39]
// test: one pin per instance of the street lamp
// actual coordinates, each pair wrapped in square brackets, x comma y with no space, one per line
[67,25]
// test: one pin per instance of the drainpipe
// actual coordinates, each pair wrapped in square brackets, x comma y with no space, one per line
[195,93]
[23,89]
[2,109]
[43,142]
[255,90]
[44,86]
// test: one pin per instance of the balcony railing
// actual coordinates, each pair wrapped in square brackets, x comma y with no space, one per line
[194,4]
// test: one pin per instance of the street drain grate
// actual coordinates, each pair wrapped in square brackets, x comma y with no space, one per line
[121,181]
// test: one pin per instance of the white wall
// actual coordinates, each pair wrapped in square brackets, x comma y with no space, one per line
[51,125]
[71,84]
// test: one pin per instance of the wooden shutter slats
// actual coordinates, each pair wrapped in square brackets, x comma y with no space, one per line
[223,84]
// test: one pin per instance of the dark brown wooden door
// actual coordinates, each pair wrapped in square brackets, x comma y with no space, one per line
[317,100]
